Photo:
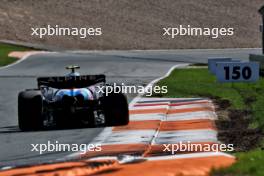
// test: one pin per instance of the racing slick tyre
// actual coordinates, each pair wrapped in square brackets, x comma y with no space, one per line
[30,110]
[115,108]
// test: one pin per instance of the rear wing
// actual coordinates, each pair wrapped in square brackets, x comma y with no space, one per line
[68,82]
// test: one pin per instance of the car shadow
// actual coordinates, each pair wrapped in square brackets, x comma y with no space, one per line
[15,129]
[10,129]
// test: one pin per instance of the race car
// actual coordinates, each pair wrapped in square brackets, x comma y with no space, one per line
[73,100]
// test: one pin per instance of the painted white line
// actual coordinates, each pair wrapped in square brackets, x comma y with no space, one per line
[183,133]
[189,155]
[171,157]
[149,107]
[161,50]
[140,117]
[155,81]
[97,140]
[174,137]
[171,103]
[102,136]
[204,105]
[171,100]
[7,167]
[130,137]
[192,116]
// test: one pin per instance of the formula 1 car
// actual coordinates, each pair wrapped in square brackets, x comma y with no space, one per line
[71,100]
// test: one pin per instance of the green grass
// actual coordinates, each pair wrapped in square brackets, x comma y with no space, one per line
[249,163]
[5,49]
[197,82]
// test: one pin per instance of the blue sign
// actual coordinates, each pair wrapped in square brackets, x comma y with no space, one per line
[212,63]
[237,71]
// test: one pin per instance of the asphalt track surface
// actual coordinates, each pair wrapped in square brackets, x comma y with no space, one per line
[129,67]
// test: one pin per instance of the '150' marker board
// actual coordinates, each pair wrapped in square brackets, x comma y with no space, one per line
[237,71]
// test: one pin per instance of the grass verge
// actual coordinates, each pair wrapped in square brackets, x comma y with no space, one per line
[243,122]
[5,49]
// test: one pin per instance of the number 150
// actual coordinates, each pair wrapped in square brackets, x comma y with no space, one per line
[237,73]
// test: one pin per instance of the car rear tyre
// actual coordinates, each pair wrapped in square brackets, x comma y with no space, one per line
[30,110]
[115,108]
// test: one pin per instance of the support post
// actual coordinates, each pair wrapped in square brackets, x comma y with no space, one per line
[261,11]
